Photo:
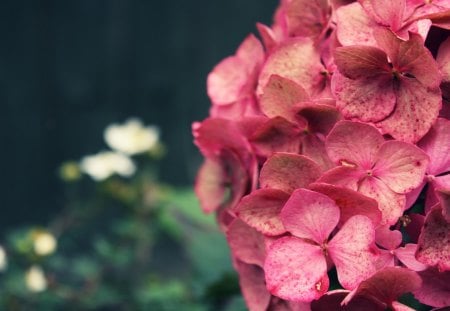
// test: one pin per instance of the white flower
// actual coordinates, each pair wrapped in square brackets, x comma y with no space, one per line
[104,164]
[44,243]
[35,279]
[3,259]
[131,137]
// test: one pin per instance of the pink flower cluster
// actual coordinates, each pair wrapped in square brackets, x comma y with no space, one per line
[327,156]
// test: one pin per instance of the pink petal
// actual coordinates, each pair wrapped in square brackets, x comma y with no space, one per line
[353,252]
[288,171]
[296,270]
[261,210]
[436,143]
[333,299]
[354,142]
[253,287]
[401,166]
[350,202]
[279,97]
[354,26]
[391,204]
[388,239]
[321,118]
[210,185]
[359,61]
[385,259]
[307,18]
[268,36]
[386,12]
[368,99]
[443,60]
[310,215]
[343,176]
[407,256]
[397,306]
[434,241]
[444,199]
[388,284]
[246,243]
[313,147]
[435,290]
[296,59]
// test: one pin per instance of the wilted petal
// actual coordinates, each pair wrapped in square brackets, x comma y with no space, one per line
[246,243]
[435,290]
[288,171]
[310,215]
[261,210]
[368,99]
[436,143]
[355,143]
[350,202]
[401,166]
[353,252]
[434,241]
[296,270]
[253,287]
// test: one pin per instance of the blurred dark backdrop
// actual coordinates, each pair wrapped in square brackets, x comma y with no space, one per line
[70,68]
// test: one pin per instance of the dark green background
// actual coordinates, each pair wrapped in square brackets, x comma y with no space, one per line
[70,68]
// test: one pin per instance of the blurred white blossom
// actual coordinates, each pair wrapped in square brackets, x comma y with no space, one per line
[35,279]
[44,243]
[131,137]
[3,259]
[106,163]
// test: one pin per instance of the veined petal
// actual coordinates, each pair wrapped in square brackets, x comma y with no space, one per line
[359,61]
[296,270]
[310,215]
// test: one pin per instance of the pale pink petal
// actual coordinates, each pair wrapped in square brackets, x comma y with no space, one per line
[343,176]
[279,97]
[355,143]
[354,26]
[298,60]
[386,12]
[350,202]
[416,110]
[391,204]
[388,284]
[296,270]
[436,143]
[253,287]
[307,18]
[268,36]
[397,306]
[246,243]
[387,238]
[434,242]
[435,290]
[407,256]
[310,215]
[359,61]
[352,251]
[401,166]
[288,171]
[368,99]
[261,210]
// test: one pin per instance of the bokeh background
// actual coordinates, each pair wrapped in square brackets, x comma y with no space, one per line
[70,68]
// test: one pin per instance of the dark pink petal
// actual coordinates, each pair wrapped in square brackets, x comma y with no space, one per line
[320,117]
[288,171]
[276,135]
[355,62]
[436,143]
[298,60]
[444,199]
[343,176]
[268,36]
[253,287]
[310,215]
[246,243]
[333,299]
[296,270]
[414,226]
[350,202]
[412,196]
[307,18]
[391,204]
[354,26]
[437,183]
[435,290]
[434,241]
[279,97]
[314,147]
[401,166]
[355,143]
[387,238]
[368,99]
[388,284]
[407,256]
[352,251]
[261,210]
[443,60]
